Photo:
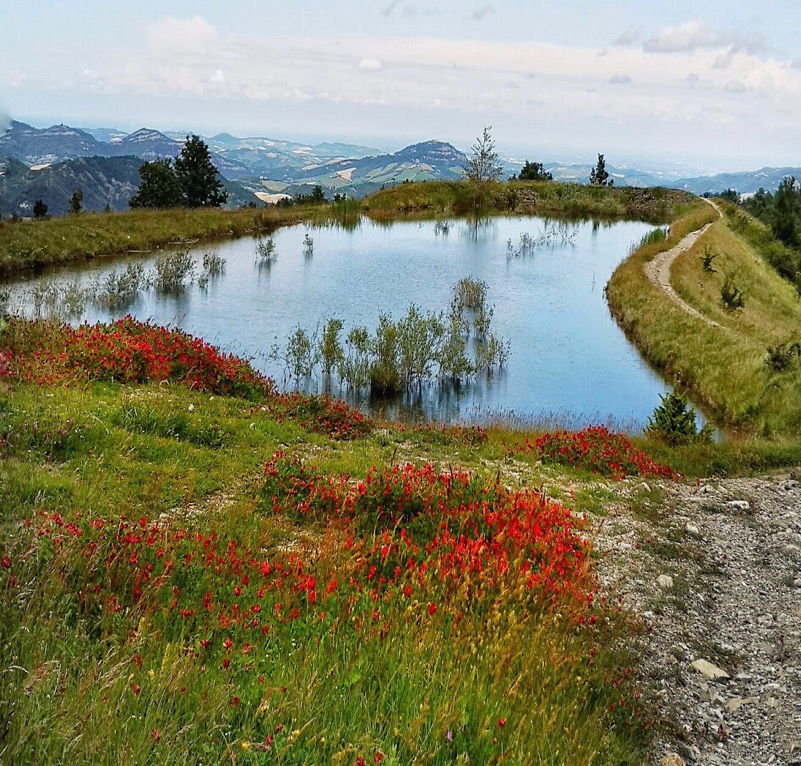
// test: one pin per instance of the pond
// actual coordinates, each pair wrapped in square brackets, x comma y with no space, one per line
[568,360]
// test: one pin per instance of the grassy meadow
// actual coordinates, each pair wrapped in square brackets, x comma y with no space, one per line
[198,569]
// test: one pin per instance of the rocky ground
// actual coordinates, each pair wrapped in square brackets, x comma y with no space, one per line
[718,588]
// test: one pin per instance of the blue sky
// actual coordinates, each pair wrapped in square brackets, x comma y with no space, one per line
[714,83]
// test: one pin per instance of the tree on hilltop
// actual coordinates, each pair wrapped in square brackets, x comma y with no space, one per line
[533,171]
[158,187]
[197,175]
[192,180]
[483,165]
[599,175]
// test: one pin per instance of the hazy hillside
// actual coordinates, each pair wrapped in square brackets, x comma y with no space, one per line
[746,182]
[104,181]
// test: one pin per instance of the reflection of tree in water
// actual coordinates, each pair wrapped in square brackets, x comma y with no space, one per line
[479,229]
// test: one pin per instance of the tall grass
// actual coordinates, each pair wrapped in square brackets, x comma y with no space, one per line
[723,366]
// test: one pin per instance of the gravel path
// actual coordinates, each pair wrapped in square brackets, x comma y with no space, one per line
[717,582]
[658,269]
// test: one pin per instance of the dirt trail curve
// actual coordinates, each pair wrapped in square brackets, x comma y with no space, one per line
[658,270]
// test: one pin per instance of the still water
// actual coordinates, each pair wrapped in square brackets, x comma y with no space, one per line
[568,357]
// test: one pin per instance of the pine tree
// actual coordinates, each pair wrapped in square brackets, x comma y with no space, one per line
[598,175]
[197,175]
[484,164]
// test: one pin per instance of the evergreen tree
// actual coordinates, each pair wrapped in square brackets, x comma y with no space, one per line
[39,209]
[785,222]
[197,175]
[159,186]
[599,175]
[534,171]
[484,164]
[76,201]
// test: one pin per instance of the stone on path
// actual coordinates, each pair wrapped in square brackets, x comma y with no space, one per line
[710,671]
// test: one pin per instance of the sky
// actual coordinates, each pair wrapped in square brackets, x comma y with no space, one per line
[716,84]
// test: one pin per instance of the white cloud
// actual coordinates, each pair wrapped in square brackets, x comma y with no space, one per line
[181,35]
[477,78]
[370,65]
[694,34]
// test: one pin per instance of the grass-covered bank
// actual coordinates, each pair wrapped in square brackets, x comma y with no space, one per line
[449,198]
[39,243]
[53,241]
[725,366]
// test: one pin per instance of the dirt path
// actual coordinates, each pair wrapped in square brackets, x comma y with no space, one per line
[658,270]
[714,573]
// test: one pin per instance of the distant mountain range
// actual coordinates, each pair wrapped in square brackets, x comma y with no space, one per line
[50,163]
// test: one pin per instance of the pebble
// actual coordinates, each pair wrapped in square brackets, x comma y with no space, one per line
[710,671]
[739,505]
[692,529]
[665,582]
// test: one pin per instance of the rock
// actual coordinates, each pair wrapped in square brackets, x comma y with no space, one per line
[692,529]
[672,759]
[735,703]
[665,582]
[790,484]
[710,671]
[739,505]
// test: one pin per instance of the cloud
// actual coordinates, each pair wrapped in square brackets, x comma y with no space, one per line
[181,35]
[620,79]
[370,65]
[694,34]
[735,86]
[482,13]
[630,37]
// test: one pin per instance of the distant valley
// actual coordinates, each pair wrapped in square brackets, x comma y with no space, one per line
[51,163]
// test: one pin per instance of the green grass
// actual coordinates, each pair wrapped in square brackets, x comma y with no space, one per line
[34,244]
[176,457]
[724,366]
[448,198]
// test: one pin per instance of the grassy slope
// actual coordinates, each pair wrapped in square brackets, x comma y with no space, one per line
[109,449]
[723,366]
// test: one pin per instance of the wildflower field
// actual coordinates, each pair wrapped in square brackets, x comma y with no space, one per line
[198,569]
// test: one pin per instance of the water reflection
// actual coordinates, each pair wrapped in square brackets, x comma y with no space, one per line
[567,355]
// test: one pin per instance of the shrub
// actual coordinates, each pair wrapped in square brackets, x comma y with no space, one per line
[121,288]
[598,450]
[384,372]
[265,250]
[782,356]
[173,270]
[733,298]
[354,368]
[329,348]
[673,421]
[706,260]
